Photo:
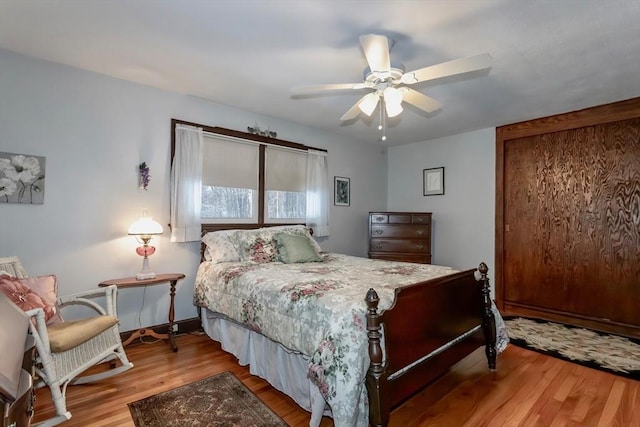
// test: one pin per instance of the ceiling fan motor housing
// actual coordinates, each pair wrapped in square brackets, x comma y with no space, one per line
[382,79]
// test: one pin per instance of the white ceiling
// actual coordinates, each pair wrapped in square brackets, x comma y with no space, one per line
[550,56]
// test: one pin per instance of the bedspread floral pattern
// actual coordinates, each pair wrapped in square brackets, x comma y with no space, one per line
[291,304]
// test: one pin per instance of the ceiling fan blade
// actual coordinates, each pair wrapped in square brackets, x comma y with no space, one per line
[352,113]
[355,110]
[376,50]
[419,100]
[311,89]
[450,68]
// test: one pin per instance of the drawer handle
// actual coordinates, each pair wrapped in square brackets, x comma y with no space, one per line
[379,231]
[379,218]
[420,232]
[420,246]
[378,245]
[419,219]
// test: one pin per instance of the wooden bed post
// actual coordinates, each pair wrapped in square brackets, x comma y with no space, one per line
[488,319]
[376,375]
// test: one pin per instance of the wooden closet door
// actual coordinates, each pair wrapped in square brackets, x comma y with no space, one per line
[572,222]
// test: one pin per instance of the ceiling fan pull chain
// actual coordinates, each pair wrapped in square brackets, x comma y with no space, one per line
[382,126]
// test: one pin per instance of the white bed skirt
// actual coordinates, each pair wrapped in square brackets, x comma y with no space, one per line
[284,369]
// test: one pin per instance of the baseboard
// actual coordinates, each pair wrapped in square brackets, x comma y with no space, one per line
[184,326]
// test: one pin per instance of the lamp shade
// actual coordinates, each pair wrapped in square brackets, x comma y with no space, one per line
[145,226]
[393,101]
[369,103]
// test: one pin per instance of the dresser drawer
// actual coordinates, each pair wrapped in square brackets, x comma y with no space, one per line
[399,219]
[421,219]
[397,245]
[402,231]
[379,218]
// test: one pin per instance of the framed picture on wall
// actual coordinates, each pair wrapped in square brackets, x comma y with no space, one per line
[22,178]
[342,191]
[433,181]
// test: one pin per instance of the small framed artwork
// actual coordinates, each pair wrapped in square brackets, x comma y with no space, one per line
[433,181]
[21,178]
[342,191]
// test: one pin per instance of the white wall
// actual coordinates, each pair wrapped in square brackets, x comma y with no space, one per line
[463,218]
[94,131]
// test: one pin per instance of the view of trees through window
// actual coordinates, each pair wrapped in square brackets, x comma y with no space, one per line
[238,203]
[227,203]
[286,205]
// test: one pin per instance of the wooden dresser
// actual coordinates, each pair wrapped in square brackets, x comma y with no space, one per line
[400,236]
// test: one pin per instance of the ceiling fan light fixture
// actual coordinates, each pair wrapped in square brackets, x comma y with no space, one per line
[393,110]
[369,103]
[393,101]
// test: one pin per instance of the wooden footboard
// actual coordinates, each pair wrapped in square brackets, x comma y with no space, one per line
[431,326]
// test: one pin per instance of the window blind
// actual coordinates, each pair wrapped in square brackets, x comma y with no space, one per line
[229,163]
[285,170]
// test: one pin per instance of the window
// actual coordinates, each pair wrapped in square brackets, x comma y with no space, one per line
[229,180]
[285,186]
[250,179]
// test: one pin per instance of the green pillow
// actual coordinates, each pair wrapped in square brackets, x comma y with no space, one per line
[295,248]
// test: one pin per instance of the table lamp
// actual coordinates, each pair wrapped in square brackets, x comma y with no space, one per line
[144,229]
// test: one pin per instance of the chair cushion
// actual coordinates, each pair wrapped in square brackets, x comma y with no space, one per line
[69,334]
[33,292]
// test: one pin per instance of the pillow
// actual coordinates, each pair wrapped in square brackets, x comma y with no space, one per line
[219,246]
[299,230]
[33,292]
[259,245]
[255,245]
[295,248]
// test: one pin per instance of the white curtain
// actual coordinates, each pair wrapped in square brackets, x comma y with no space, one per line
[186,185]
[318,193]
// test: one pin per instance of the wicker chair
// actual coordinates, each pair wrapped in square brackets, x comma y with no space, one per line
[67,349]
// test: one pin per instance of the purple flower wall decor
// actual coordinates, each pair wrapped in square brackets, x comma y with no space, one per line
[21,178]
[145,177]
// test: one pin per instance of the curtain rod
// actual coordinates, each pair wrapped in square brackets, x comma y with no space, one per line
[239,134]
[249,141]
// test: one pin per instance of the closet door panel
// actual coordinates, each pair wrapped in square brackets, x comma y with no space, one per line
[572,221]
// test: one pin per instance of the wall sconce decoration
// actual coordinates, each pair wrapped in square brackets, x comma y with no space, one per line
[256,130]
[144,229]
[145,177]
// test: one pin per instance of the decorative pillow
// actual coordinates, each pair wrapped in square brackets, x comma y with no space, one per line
[256,245]
[298,229]
[259,245]
[295,248]
[219,246]
[33,292]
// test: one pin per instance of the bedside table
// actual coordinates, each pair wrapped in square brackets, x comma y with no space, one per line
[130,282]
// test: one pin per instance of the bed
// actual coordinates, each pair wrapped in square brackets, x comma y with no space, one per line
[343,336]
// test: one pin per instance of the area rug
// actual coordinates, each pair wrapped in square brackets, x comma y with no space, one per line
[220,400]
[607,352]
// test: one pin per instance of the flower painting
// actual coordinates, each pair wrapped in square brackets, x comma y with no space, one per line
[21,178]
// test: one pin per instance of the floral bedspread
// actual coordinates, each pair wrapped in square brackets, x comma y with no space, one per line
[315,308]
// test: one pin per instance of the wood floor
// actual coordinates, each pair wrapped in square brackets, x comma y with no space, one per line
[529,389]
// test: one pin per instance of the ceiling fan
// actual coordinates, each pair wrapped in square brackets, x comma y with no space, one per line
[389,82]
